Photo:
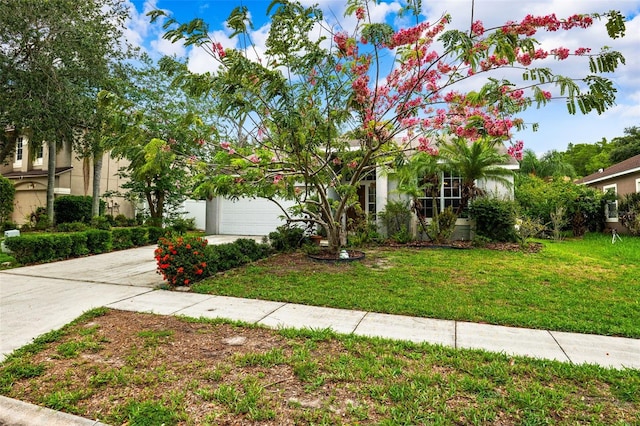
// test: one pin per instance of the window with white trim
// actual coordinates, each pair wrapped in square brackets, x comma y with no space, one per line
[637,185]
[39,154]
[449,195]
[19,151]
[611,208]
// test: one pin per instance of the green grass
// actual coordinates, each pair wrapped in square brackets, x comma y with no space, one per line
[583,285]
[316,377]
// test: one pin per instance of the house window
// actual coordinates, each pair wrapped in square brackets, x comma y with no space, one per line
[611,208]
[637,185]
[371,199]
[39,155]
[448,195]
[19,151]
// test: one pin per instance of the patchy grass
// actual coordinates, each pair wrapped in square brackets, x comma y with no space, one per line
[584,285]
[191,374]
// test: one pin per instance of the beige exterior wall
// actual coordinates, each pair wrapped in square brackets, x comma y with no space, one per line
[31,185]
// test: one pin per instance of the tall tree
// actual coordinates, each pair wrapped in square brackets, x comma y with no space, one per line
[587,158]
[54,56]
[310,89]
[625,146]
[160,130]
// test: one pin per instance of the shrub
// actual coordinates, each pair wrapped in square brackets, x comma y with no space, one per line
[252,250]
[8,224]
[181,226]
[528,228]
[79,244]
[396,218]
[629,212]
[495,218]
[121,238]
[139,236]
[72,208]
[31,248]
[226,256]
[40,248]
[7,196]
[98,241]
[72,227]
[121,220]
[442,226]
[181,260]
[538,199]
[287,238]
[155,233]
[100,222]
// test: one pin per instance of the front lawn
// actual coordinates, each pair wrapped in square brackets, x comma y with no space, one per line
[583,285]
[143,369]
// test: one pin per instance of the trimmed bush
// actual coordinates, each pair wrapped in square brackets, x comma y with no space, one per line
[72,227]
[79,244]
[139,236]
[287,238]
[181,260]
[98,241]
[252,249]
[155,233]
[40,248]
[72,208]
[121,238]
[495,218]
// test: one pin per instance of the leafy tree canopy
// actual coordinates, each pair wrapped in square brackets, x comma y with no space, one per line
[322,107]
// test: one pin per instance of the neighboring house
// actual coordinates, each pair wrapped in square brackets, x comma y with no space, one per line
[28,172]
[620,179]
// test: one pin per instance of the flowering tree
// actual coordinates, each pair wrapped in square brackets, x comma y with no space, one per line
[324,111]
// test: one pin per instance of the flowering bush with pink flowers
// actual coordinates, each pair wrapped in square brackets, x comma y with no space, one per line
[181,260]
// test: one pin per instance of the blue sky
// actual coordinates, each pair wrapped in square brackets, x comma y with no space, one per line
[557,127]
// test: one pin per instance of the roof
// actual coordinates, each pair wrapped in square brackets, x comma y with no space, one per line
[630,165]
[35,173]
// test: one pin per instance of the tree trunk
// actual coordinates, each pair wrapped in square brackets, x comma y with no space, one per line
[51,180]
[97,177]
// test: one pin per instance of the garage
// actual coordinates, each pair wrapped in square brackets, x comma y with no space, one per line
[245,216]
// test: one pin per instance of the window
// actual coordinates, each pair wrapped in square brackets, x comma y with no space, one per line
[449,195]
[39,155]
[371,199]
[637,185]
[611,208]
[19,151]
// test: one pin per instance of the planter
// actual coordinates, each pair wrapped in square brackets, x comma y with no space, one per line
[326,257]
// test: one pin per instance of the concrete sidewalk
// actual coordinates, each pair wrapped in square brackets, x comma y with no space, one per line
[37,299]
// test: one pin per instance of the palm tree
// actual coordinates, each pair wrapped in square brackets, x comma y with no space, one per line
[472,161]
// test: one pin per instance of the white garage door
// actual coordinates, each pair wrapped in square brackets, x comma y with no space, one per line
[247,216]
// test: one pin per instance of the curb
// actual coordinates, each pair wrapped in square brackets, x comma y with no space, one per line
[19,413]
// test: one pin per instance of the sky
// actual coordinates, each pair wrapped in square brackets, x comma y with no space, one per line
[557,128]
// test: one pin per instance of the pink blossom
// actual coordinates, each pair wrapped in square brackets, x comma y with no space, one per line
[225,145]
[219,50]
[360,13]
[254,159]
[477,28]
[352,164]
[277,178]
[337,161]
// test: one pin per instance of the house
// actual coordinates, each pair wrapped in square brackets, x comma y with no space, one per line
[620,179]
[28,172]
[258,216]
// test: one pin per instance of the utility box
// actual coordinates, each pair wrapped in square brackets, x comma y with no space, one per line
[7,234]
[11,233]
